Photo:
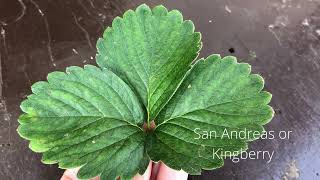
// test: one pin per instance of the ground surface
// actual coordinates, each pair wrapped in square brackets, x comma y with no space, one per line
[280,38]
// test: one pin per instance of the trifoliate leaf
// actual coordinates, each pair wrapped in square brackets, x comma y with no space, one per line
[99,119]
[151,49]
[219,95]
[86,116]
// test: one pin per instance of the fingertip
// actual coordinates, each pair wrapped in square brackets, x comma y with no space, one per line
[155,170]
[166,173]
[70,174]
[146,175]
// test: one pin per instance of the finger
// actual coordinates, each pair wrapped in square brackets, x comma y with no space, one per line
[71,174]
[166,173]
[146,175]
[155,170]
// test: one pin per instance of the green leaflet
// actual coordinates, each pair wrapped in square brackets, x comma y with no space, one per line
[151,50]
[218,94]
[86,116]
[93,117]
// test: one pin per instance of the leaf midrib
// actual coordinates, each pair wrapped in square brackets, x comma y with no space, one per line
[98,118]
[206,108]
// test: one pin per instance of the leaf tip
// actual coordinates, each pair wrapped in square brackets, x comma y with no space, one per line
[269,115]
[55,75]
[189,26]
[21,133]
[160,10]
[38,148]
[73,69]
[143,8]
[231,59]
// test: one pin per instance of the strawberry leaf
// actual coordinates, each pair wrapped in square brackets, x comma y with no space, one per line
[99,118]
[151,50]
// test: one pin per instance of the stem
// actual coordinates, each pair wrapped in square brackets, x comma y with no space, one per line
[149,126]
[148,120]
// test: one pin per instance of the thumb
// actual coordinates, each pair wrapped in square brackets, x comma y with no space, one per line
[71,174]
[166,173]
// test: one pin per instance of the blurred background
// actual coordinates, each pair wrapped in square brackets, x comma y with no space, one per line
[279,38]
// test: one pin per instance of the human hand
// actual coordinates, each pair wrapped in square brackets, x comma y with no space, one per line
[155,171]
